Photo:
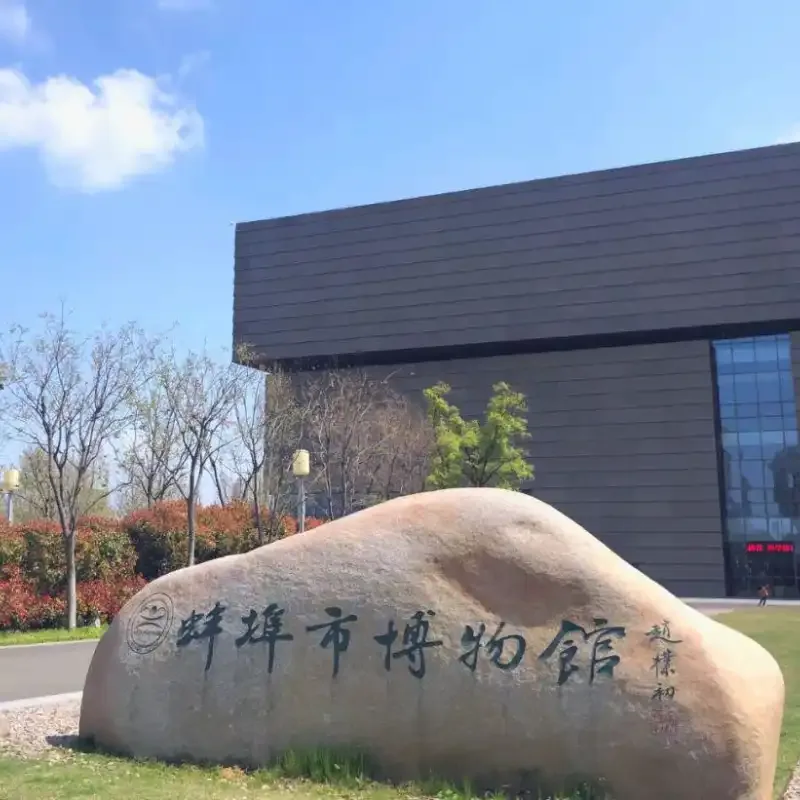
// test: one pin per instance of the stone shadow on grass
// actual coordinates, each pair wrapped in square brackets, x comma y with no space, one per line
[71,742]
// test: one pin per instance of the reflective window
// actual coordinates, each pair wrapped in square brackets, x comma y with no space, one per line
[761,457]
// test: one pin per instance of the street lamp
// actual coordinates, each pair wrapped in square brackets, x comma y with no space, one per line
[10,485]
[300,469]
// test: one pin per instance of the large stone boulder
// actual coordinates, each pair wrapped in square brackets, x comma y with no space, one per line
[472,633]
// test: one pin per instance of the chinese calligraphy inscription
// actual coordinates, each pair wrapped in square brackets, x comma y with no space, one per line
[473,640]
[200,627]
[571,636]
[269,631]
[337,636]
[415,642]
[663,666]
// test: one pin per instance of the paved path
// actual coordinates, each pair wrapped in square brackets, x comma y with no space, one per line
[45,669]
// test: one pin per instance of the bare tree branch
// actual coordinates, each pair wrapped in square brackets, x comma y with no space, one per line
[201,394]
[269,418]
[70,401]
[152,459]
[368,442]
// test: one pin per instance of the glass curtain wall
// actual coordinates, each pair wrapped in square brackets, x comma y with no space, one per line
[761,462]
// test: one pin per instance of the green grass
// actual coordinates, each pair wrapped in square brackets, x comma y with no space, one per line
[778,630]
[69,774]
[51,635]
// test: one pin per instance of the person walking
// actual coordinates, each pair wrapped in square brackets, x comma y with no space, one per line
[763,594]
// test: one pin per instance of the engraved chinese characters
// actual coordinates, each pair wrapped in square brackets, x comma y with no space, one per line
[408,643]
[415,641]
[590,649]
[337,636]
[474,640]
[602,660]
[664,647]
[270,631]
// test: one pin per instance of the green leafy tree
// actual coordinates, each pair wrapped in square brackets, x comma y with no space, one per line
[475,453]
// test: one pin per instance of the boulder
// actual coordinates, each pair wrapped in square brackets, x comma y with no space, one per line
[469,633]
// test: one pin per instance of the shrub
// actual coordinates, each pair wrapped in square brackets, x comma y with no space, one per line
[103,554]
[43,559]
[226,530]
[159,534]
[104,599]
[311,523]
[103,551]
[159,538]
[23,608]
[12,548]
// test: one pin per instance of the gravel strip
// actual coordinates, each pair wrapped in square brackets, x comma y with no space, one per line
[50,731]
[39,731]
[793,790]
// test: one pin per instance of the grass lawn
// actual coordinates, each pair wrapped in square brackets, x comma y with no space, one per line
[778,630]
[86,775]
[51,635]
[71,774]
[97,777]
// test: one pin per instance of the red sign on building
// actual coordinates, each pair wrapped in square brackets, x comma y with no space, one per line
[769,547]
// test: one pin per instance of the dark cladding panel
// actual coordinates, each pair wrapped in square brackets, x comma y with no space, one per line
[623,442]
[697,242]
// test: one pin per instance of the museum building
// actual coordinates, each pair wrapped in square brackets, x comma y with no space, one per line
[651,315]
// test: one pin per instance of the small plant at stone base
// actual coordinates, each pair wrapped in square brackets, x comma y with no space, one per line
[356,769]
[474,453]
[349,768]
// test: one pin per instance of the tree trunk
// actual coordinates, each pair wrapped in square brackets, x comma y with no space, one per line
[257,511]
[72,585]
[191,510]
[259,523]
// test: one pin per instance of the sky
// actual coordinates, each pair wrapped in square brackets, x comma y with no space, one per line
[134,132]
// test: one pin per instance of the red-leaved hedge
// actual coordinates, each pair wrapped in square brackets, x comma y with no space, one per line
[23,607]
[114,558]
[159,534]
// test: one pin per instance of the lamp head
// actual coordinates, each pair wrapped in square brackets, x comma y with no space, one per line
[11,480]
[301,465]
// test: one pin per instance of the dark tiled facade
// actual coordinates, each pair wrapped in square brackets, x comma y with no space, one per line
[608,299]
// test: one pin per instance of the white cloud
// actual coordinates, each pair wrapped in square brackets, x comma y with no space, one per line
[15,22]
[97,137]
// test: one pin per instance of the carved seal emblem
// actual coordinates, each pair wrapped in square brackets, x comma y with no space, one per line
[150,623]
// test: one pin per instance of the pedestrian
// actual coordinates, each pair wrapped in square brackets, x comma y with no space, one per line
[763,594]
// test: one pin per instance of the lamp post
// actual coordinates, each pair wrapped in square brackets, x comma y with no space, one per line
[10,485]
[300,468]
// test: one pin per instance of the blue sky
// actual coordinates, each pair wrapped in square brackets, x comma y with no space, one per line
[117,197]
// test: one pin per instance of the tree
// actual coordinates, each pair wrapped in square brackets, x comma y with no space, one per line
[367,441]
[402,440]
[471,453]
[35,498]
[70,400]
[269,419]
[200,394]
[153,459]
